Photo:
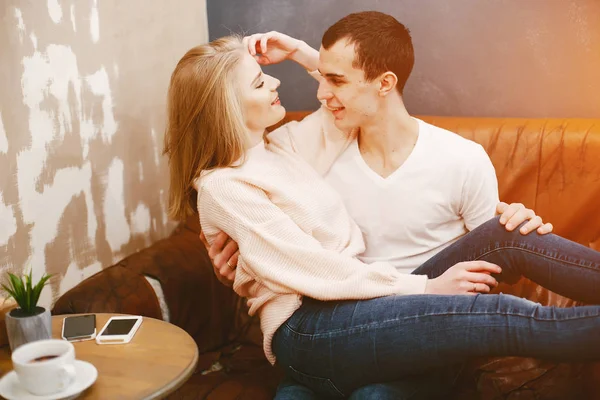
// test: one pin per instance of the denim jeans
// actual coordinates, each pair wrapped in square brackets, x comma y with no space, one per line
[338,346]
[428,386]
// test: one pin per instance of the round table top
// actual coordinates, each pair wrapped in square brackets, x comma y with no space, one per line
[157,361]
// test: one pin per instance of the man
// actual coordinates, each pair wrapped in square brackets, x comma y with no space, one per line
[413,188]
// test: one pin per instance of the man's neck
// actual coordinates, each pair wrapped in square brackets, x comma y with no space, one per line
[393,130]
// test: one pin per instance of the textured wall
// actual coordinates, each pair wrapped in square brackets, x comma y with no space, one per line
[82,107]
[520,58]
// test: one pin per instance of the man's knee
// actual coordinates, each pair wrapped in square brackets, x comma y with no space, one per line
[493,227]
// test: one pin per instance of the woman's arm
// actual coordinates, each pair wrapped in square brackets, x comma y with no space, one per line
[306,56]
[274,47]
[315,138]
[278,254]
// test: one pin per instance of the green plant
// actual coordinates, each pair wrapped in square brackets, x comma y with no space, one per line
[25,294]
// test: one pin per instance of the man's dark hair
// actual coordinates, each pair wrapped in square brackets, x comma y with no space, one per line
[381,44]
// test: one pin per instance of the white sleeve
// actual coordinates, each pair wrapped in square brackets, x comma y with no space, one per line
[316,139]
[316,75]
[277,253]
[480,190]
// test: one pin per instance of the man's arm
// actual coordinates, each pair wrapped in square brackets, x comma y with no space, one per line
[224,255]
[480,201]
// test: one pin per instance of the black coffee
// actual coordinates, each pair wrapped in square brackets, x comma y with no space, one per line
[43,358]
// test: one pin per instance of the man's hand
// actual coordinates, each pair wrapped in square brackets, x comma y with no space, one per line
[513,215]
[224,255]
[274,47]
[469,277]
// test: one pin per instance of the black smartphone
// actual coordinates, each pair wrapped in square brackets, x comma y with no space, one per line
[79,327]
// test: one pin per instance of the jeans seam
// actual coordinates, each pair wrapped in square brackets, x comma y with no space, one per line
[512,247]
[360,327]
[328,380]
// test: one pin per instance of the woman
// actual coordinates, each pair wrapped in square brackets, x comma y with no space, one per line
[298,247]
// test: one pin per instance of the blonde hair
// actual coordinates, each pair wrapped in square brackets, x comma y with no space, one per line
[205,127]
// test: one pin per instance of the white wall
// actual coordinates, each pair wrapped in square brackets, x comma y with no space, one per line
[82,108]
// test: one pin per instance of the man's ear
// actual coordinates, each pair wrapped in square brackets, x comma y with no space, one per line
[388,82]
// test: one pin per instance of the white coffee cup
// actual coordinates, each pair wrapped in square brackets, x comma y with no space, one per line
[45,366]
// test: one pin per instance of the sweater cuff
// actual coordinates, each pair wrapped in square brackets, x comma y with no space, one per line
[412,284]
[315,74]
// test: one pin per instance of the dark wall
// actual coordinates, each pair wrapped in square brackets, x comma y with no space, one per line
[519,58]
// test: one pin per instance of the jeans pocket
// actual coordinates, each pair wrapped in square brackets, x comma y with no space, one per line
[322,386]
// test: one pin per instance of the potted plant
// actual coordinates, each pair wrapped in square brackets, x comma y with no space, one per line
[28,322]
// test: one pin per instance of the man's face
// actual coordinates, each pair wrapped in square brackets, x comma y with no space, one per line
[344,90]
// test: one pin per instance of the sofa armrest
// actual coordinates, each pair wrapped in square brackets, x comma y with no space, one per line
[196,301]
[112,290]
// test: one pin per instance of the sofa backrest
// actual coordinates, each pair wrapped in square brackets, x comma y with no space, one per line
[550,165]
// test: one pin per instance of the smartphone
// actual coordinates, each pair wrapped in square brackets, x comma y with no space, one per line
[119,330]
[79,327]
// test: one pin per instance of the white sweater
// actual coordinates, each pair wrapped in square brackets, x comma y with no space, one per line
[295,235]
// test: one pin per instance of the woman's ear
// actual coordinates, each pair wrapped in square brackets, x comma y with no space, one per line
[388,82]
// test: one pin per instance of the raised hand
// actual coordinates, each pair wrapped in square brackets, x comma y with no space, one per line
[271,47]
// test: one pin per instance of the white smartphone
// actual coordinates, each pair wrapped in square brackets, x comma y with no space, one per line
[78,328]
[119,330]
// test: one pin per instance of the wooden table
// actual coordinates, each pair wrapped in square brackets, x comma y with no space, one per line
[157,361]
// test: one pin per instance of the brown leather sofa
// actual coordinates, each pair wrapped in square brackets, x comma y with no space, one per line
[552,166]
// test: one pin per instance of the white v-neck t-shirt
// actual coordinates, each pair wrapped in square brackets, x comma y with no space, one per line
[446,187]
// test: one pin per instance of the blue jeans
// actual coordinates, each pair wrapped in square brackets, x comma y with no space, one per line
[431,385]
[336,347]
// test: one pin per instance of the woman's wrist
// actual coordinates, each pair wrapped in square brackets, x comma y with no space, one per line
[306,56]
[430,286]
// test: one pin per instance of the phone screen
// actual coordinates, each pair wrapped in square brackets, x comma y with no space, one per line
[119,327]
[79,326]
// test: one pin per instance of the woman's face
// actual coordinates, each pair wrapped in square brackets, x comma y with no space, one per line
[260,99]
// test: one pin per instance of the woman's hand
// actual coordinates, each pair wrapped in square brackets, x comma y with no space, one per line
[274,47]
[470,277]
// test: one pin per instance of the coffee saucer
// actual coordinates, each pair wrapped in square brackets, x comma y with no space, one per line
[86,375]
